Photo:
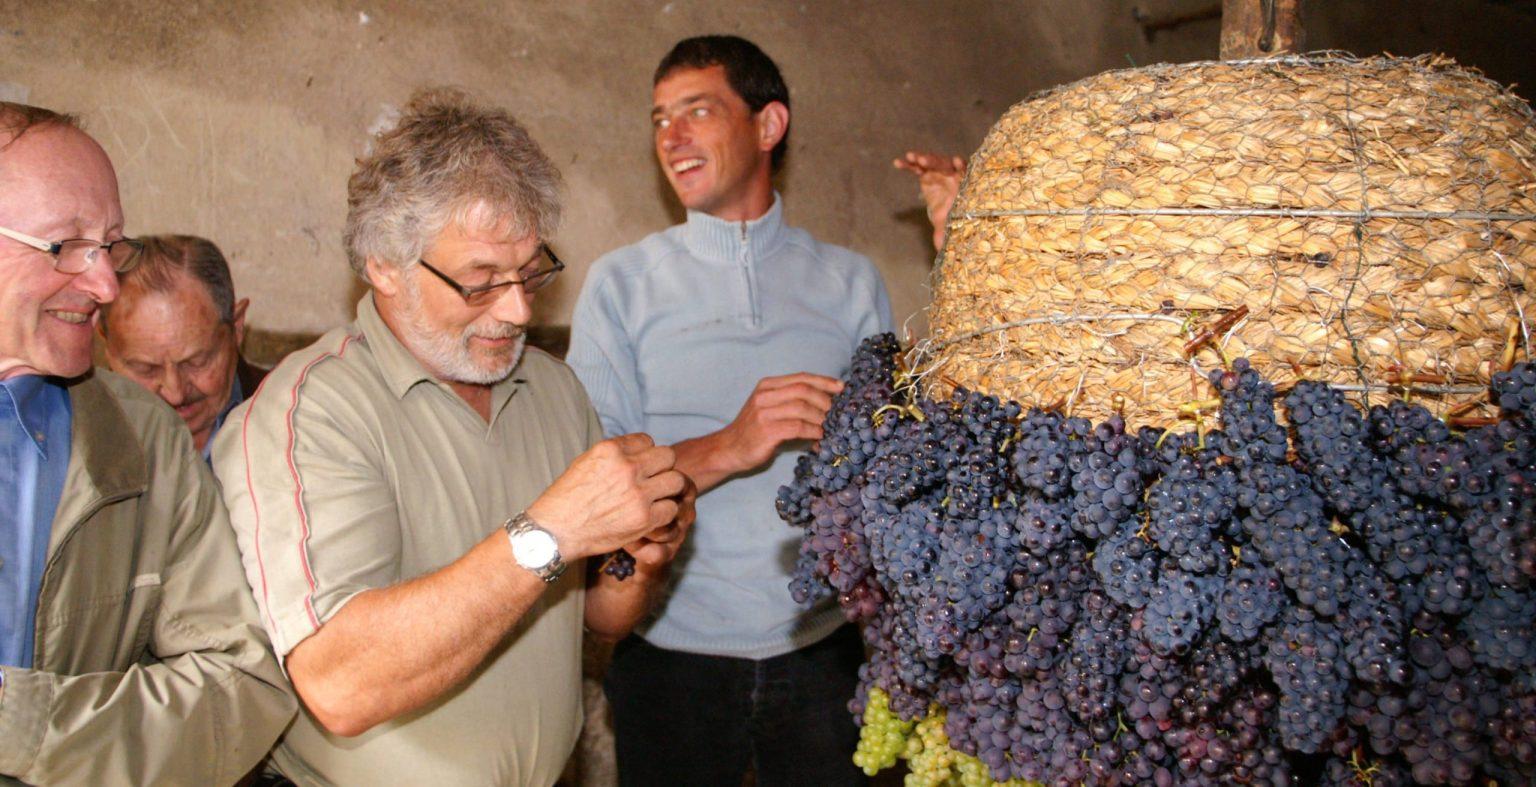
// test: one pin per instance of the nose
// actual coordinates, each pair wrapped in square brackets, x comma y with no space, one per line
[675,134]
[173,388]
[99,281]
[514,306]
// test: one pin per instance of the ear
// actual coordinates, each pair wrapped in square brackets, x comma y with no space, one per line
[239,323]
[384,278]
[772,124]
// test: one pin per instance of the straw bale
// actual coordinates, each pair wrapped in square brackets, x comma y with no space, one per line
[1375,217]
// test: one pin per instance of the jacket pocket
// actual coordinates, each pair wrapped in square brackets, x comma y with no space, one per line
[139,614]
[107,632]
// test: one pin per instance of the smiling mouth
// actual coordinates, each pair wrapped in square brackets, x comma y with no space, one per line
[687,165]
[73,318]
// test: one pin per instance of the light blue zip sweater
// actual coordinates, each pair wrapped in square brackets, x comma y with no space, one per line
[670,335]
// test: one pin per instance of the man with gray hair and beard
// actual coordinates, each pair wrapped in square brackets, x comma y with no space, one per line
[408,491]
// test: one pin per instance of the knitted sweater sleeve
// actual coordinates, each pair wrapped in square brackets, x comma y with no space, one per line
[603,355]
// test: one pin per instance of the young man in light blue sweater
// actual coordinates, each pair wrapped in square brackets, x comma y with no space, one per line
[725,337]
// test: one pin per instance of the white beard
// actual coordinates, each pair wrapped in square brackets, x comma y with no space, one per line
[448,356]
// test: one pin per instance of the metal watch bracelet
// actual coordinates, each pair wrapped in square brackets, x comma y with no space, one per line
[521,524]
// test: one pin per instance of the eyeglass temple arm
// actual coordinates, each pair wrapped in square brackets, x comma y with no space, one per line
[36,243]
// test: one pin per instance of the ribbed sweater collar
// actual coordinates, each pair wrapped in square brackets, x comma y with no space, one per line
[709,238]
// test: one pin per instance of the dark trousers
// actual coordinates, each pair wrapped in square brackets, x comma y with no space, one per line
[686,719]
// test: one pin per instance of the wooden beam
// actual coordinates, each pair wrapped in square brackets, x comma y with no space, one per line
[1260,28]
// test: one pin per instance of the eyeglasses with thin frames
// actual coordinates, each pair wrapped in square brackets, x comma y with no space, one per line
[77,255]
[532,280]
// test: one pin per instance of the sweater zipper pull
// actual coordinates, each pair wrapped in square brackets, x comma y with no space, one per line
[755,319]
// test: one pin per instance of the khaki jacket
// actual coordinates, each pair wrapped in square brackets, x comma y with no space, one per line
[151,666]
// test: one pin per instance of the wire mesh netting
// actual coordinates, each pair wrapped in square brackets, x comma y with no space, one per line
[1366,222]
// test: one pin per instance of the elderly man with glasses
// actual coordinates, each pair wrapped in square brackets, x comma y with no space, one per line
[409,490]
[130,649]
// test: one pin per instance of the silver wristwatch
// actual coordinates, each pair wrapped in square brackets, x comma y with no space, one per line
[534,548]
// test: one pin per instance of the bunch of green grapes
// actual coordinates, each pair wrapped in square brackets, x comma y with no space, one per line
[883,736]
[930,761]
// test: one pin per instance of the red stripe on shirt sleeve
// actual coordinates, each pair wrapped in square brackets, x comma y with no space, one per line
[298,495]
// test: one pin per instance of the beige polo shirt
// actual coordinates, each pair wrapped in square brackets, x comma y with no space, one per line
[352,468]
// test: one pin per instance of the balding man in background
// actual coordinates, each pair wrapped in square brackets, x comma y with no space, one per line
[130,651]
[176,329]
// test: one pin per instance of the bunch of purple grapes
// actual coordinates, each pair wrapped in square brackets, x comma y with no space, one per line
[619,564]
[1345,600]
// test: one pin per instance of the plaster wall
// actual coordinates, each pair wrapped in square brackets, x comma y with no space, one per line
[240,119]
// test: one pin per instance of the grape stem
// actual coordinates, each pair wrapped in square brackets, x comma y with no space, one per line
[1217,328]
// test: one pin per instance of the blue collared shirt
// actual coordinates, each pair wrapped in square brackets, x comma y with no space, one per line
[34,456]
[236,396]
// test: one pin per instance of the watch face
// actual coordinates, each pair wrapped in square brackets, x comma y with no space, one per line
[534,548]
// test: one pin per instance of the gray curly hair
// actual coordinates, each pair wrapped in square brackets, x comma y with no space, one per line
[445,159]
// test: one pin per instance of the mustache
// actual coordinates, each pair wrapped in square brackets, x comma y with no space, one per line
[500,330]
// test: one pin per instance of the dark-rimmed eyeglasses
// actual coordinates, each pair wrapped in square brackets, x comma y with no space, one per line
[534,276]
[77,255]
